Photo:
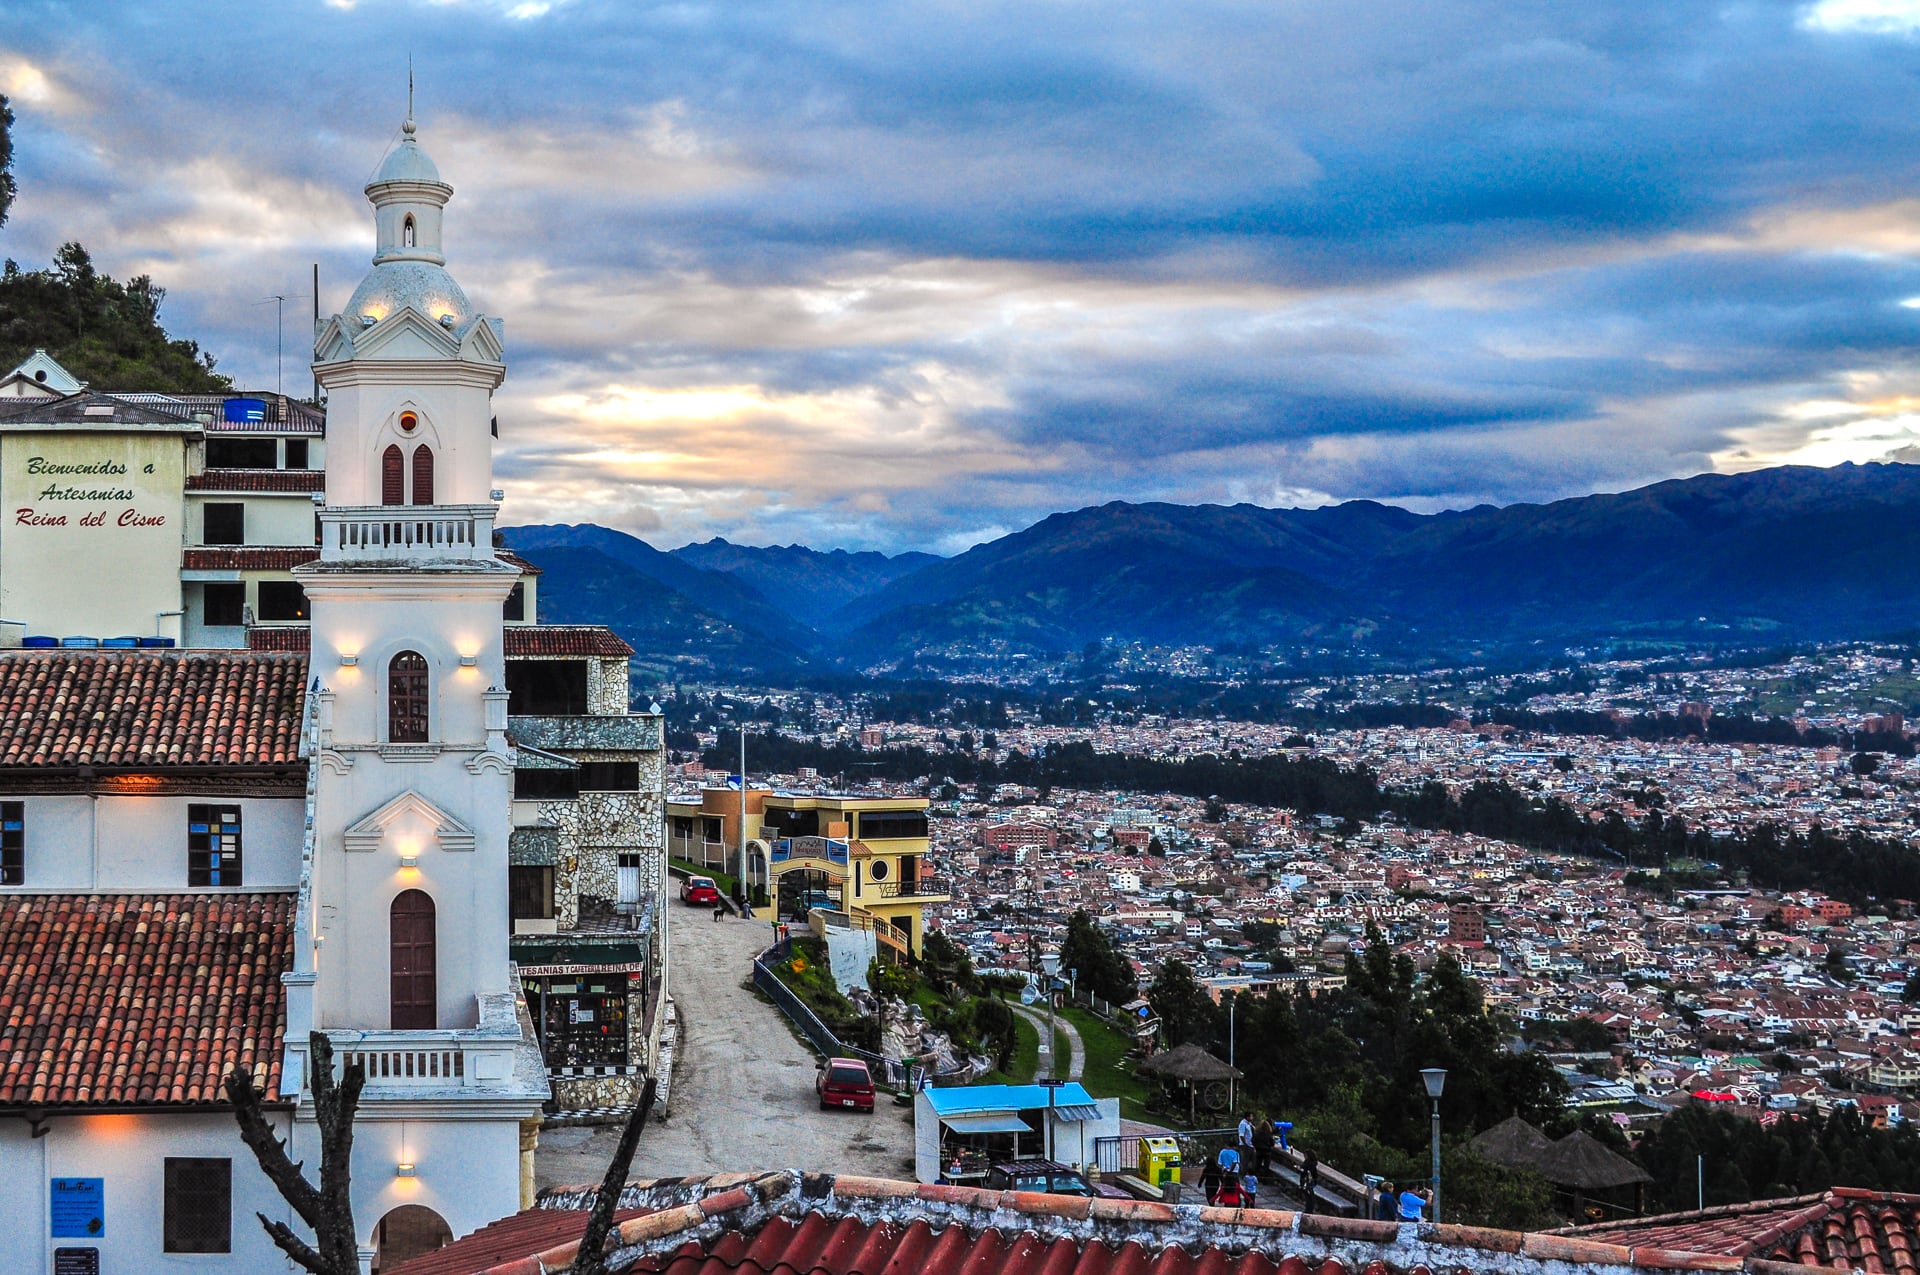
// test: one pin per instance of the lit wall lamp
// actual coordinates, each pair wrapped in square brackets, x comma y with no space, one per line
[349,661]
[404,1169]
[409,860]
[469,661]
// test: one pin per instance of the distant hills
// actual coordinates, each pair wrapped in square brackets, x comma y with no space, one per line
[1786,553]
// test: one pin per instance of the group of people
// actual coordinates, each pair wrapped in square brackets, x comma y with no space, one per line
[1399,1205]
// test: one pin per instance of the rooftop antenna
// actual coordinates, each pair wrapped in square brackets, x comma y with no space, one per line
[279,335]
[409,88]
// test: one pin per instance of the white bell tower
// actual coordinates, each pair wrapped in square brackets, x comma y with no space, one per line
[402,954]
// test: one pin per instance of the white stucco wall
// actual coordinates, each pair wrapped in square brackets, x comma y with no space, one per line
[456,420]
[442,618]
[84,843]
[129,1152]
[269,520]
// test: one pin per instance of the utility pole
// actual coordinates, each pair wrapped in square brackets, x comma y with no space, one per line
[746,888]
[279,342]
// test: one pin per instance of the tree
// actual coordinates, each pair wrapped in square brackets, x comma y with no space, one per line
[1098,966]
[327,1209]
[1185,1010]
[106,333]
[591,1257]
[1864,764]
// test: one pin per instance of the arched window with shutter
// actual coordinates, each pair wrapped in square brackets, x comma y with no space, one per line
[392,476]
[407,699]
[423,475]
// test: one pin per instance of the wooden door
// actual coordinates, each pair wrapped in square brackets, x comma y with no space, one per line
[412,962]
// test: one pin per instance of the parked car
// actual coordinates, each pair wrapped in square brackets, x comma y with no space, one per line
[1048,1177]
[845,1082]
[700,892]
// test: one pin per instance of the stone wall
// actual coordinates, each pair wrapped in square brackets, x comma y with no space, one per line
[607,687]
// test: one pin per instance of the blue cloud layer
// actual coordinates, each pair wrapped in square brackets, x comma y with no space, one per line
[965,265]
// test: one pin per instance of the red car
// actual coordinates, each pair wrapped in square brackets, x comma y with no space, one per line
[700,892]
[845,1082]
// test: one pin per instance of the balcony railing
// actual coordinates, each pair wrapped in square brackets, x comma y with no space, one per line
[920,888]
[405,533]
[479,1057]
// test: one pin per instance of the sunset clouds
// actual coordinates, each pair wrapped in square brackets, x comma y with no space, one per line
[911,275]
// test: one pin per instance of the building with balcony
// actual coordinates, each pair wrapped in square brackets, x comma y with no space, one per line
[208,855]
[863,859]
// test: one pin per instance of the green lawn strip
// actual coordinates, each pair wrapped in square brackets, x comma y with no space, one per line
[1108,1072]
[721,879]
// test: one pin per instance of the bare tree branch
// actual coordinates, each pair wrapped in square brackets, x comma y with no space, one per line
[591,1257]
[328,1210]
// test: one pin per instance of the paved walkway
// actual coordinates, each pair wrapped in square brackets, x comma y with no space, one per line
[743,1095]
[1076,1048]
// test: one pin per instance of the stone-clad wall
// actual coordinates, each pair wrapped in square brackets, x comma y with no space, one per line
[607,687]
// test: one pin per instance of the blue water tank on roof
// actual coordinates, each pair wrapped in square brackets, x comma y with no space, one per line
[156,641]
[240,411]
[120,642]
[39,642]
[84,643]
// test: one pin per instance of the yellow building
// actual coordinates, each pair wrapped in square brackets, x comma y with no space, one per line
[863,858]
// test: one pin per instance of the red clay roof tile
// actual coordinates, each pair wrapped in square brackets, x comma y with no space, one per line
[293,480]
[140,998]
[1865,1230]
[247,557]
[520,641]
[150,708]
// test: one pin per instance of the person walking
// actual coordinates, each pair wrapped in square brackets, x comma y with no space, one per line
[1210,1180]
[1263,1146]
[1309,1176]
[1246,1137]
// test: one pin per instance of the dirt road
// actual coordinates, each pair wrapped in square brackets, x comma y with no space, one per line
[742,1094]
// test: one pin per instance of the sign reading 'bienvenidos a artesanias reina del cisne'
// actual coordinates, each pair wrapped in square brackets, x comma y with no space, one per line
[91,536]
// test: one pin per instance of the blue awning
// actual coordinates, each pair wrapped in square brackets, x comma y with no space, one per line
[986,1124]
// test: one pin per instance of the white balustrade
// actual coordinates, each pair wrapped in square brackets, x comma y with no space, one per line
[399,533]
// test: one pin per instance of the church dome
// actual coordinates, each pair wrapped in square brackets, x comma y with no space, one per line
[428,288]
[407,162]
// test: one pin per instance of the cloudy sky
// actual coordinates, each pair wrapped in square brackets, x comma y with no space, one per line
[913,274]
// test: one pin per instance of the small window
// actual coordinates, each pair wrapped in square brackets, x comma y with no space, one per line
[889,825]
[213,845]
[545,785]
[13,843]
[407,699]
[530,893]
[241,453]
[515,607]
[296,453]
[408,422]
[393,474]
[423,475]
[546,687]
[407,232]
[282,600]
[223,604]
[610,776]
[683,828]
[199,1205]
[225,524]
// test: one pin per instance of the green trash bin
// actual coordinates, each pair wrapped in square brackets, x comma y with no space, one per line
[1159,1161]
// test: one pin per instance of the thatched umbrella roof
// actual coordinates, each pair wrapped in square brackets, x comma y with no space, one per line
[1578,1160]
[1513,1143]
[1189,1063]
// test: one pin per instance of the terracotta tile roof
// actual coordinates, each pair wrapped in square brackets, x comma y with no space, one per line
[291,480]
[139,998]
[286,637]
[787,1223]
[531,1231]
[521,641]
[1866,1230]
[532,640]
[246,557]
[150,708]
[511,558]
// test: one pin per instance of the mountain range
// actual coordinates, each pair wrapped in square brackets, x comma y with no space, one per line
[1786,553]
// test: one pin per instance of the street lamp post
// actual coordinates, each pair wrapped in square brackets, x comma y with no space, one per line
[1436,1081]
[1050,964]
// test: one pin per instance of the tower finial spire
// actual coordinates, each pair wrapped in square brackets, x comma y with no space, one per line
[407,127]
